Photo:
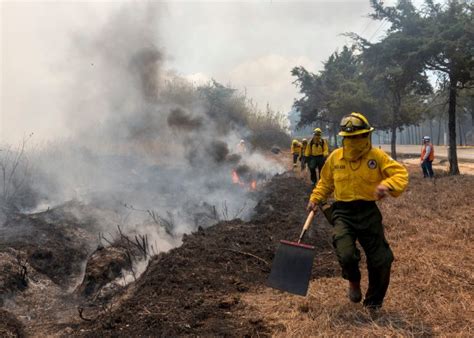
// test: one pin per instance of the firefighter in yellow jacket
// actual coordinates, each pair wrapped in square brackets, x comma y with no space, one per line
[295,151]
[316,153]
[359,175]
[304,145]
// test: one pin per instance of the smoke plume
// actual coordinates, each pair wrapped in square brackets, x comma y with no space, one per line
[145,142]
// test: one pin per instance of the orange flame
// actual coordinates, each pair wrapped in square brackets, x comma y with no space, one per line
[235,177]
[236,180]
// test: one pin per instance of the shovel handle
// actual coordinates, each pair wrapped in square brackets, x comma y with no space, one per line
[307,224]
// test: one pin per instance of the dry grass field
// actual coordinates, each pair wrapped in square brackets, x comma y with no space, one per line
[430,229]
[214,284]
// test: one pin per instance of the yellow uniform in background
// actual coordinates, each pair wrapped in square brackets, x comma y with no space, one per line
[304,145]
[295,151]
[295,148]
[317,148]
[315,154]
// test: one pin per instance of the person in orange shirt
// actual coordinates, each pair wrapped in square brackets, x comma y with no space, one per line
[427,157]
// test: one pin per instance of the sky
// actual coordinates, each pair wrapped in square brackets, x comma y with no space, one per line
[249,45]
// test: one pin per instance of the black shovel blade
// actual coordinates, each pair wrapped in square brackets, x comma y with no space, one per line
[291,267]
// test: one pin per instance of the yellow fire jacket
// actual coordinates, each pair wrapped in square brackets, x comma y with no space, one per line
[357,180]
[317,149]
[295,148]
[303,149]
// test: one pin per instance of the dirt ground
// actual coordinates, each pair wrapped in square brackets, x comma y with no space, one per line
[219,273]
[464,153]
[214,283]
[10,326]
[49,248]
[198,288]
[432,283]
[466,168]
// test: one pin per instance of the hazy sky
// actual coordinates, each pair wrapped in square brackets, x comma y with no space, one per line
[250,45]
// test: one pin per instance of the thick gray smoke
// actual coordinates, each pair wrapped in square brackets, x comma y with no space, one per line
[144,142]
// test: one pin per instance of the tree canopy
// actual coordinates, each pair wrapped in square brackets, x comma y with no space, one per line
[387,80]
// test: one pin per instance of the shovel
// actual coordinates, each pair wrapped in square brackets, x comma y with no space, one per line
[292,265]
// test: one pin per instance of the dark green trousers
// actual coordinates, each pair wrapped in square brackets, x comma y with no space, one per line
[362,221]
[303,162]
[315,162]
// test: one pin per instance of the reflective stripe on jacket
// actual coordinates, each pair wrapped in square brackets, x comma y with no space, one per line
[430,155]
[303,149]
[357,180]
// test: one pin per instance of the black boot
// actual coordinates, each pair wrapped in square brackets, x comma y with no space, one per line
[354,293]
[379,279]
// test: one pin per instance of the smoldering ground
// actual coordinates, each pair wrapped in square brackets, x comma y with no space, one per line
[144,141]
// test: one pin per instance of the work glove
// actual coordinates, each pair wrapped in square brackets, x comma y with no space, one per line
[312,206]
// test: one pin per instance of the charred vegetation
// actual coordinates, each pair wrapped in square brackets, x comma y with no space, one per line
[211,271]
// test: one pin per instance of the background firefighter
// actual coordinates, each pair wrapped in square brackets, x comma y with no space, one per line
[241,148]
[427,157]
[316,153]
[295,151]
[304,145]
[359,175]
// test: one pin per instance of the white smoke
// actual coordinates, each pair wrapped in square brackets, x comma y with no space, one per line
[143,141]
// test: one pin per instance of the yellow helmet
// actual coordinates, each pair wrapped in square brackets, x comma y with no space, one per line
[354,124]
[317,131]
[295,141]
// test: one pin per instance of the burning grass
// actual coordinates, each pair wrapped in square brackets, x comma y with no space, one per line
[432,286]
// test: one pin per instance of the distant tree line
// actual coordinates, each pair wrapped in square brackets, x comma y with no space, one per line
[388,80]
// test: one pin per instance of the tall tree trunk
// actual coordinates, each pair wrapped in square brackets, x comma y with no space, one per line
[471,141]
[431,128]
[335,130]
[393,148]
[395,117]
[453,156]
[439,130]
[472,114]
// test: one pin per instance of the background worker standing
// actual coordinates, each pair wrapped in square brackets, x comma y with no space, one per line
[304,144]
[427,157]
[359,175]
[316,153]
[241,147]
[295,151]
